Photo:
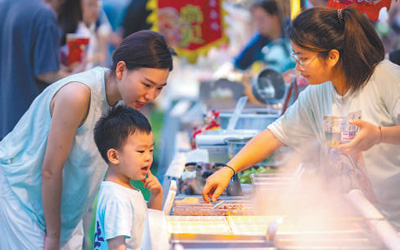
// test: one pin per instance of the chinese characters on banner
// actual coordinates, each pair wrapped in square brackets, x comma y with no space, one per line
[192,27]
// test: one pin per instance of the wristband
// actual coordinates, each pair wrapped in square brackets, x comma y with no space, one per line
[231,169]
[380,135]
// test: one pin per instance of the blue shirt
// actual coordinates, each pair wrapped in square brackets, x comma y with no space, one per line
[29,46]
[252,51]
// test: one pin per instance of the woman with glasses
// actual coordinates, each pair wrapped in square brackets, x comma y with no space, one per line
[342,58]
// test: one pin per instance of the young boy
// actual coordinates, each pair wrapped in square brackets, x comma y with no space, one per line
[125,141]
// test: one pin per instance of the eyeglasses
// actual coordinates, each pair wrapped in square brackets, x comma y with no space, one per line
[302,63]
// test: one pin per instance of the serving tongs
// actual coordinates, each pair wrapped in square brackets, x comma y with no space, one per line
[217,203]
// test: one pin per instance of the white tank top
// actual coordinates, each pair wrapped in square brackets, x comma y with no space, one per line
[22,153]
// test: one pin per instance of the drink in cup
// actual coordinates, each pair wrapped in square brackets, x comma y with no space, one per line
[338,130]
[77,44]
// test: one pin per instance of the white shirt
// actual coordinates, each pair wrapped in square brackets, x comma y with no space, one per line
[120,211]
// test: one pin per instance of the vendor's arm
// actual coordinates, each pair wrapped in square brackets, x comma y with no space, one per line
[154,186]
[371,135]
[68,109]
[255,151]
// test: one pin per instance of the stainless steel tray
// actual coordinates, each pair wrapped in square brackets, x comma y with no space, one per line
[221,241]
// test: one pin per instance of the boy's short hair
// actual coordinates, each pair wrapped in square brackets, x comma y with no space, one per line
[113,128]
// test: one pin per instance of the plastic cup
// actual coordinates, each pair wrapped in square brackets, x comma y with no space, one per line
[76,46]
[338,131]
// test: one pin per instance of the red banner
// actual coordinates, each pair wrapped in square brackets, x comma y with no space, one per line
[192,27]
[370,7]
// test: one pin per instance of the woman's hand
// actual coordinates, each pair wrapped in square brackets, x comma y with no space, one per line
[367,137]
[216,184]
[254,152]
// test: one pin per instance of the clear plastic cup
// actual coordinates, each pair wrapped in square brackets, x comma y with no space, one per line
[338,130]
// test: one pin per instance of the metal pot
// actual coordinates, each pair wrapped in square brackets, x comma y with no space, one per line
[235,145]
[269,87]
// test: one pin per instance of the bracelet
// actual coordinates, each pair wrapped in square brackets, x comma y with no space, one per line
[234,172]
[380,135]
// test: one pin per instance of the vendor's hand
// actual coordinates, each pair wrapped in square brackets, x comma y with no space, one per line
[367,137]
[216,184]
[152,183]
[51,243]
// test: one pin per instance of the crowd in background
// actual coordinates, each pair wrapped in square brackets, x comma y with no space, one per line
[107,22]
[33,42]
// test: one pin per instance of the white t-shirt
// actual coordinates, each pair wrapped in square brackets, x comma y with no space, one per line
[379,103]
[120,211]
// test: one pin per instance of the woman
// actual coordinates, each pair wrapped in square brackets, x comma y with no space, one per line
[50,169]
[342,57]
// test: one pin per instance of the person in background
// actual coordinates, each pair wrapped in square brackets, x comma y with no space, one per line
[125,141]
[69,17]
[85,18]
[96,26]
[115,12]
[390,30]
[315,3]
[136,17]
[268,19]
[394,56]
[342,57]
[50,169]
[29,48]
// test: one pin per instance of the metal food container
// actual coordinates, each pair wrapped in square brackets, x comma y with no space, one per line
[272,232]
[198,225]
[238,223]
[278,157]
[195,175]
[210,232]
[254,119]
[235,145]
[220,208]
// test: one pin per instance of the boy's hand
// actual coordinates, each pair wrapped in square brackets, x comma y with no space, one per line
[152,183]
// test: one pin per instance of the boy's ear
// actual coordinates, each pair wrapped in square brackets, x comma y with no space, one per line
[112,156]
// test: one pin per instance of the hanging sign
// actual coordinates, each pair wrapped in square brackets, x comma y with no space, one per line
[370,7]
[192,27]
